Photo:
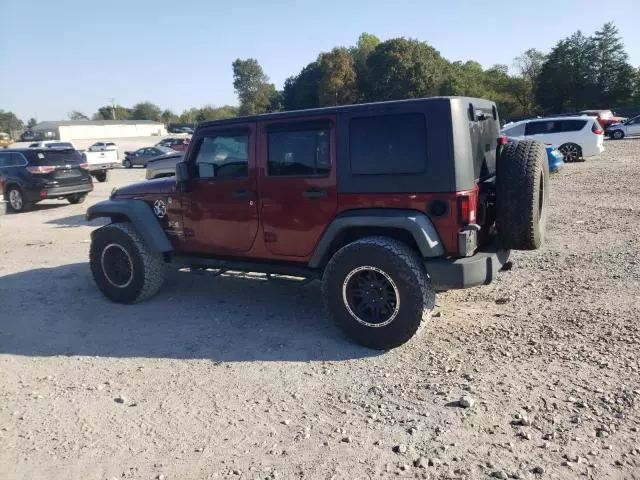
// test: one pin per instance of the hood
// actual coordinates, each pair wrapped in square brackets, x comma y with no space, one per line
[148,187]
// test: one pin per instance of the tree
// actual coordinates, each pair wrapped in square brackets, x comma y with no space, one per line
[209,112]
[107,113]
[10,124]
[146,111]
[567,80]
[402,68]
[31,123]
[76,115]
[528,67]
[167,116]
[338,84]
[360,53]
[301,91]
[613,75]
[252,86]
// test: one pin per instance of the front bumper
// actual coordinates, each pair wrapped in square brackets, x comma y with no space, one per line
[480,269]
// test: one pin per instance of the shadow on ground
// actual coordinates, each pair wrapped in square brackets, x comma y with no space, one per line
[73,221]
[231,318]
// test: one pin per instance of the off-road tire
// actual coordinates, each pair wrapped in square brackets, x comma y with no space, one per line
[77,198]
[404,266]
[148,267]
[522,195]
[101,176]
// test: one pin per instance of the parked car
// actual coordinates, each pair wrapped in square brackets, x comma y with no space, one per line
[28,136]
[624,129]
[101,163]
[34,174]
[177,144]
[5,140]
[143,155]
[103,147]
[605,118]
[577,137]
[164,165]
[53,144]
[386,203]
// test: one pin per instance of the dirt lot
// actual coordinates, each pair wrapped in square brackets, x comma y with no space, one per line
[237,377]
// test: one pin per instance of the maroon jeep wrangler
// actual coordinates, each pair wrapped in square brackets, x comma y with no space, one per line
[386,203]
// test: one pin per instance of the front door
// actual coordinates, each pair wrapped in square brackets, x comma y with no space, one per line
[220,207]
[298,188]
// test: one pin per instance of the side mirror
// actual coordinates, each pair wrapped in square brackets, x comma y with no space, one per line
[182,176]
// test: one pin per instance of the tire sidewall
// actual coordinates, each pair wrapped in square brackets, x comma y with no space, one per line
[8,197]
[410,312]
[100,240]
[618,135]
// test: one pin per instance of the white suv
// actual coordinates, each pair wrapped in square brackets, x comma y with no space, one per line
[52,144]
[103,147]
[576,137]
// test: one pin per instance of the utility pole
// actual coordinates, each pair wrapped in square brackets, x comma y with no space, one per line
[113,107]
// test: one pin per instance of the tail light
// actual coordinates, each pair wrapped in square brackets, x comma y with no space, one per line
[466,210]
[503,140]
[41,169]
[43,193]
[84,166]
[597,129]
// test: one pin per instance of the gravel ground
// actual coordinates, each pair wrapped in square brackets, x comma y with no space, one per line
[237,377]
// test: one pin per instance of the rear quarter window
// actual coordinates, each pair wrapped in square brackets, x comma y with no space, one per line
[569,126]
[388,144]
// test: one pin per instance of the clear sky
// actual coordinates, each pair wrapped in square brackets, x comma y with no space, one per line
[65,55]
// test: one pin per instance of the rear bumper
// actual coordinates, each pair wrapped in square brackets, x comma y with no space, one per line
[97,167]
[37,194]
[480,269]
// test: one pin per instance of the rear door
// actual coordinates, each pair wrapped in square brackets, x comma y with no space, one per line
[633,127]
[298,196]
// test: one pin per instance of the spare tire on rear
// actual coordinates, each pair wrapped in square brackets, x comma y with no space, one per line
[522,195]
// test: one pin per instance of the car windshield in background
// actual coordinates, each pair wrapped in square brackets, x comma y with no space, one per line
[59,145]
[56,157]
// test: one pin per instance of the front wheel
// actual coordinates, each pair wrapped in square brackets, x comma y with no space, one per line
[378,292]
[123,266]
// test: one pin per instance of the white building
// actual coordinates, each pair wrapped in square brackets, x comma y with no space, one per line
[89,129]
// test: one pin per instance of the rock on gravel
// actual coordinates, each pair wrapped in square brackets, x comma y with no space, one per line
[466,401]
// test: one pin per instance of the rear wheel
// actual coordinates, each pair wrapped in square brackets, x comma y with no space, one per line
[123,266]
[127,163]
[522,195]
[77,198]
[101,176]
[15,198]
[378,292]
[617,134]
[571,152]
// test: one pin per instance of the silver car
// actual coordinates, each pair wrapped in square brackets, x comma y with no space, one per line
[163,166]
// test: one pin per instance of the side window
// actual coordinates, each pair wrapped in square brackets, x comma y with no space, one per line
[17,160]
[539,128]
[299,153]
[223,156]
[388,144]
[570,126]
[515,131]
[5,160]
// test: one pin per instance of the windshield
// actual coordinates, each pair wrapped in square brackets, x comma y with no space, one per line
[57,157]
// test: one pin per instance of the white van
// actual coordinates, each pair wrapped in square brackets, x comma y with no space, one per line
[577,137]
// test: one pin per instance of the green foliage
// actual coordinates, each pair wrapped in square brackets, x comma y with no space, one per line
[76,115]
[252,86]
[209,112]
[167,116]
[301,91]
[403,68]
[31,123]
[107,113]
[338,83]
[146,111]
[10,124]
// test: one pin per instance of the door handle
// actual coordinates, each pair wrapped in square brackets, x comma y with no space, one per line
[242,194]
[314,193]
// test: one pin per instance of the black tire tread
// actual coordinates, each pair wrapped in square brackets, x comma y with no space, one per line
[154,267]
[518,173]
[407,263]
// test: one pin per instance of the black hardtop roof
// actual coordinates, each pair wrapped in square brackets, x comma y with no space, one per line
[332,110]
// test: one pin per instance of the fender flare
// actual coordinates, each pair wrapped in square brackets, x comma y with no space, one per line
[140,216]
[416,223]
